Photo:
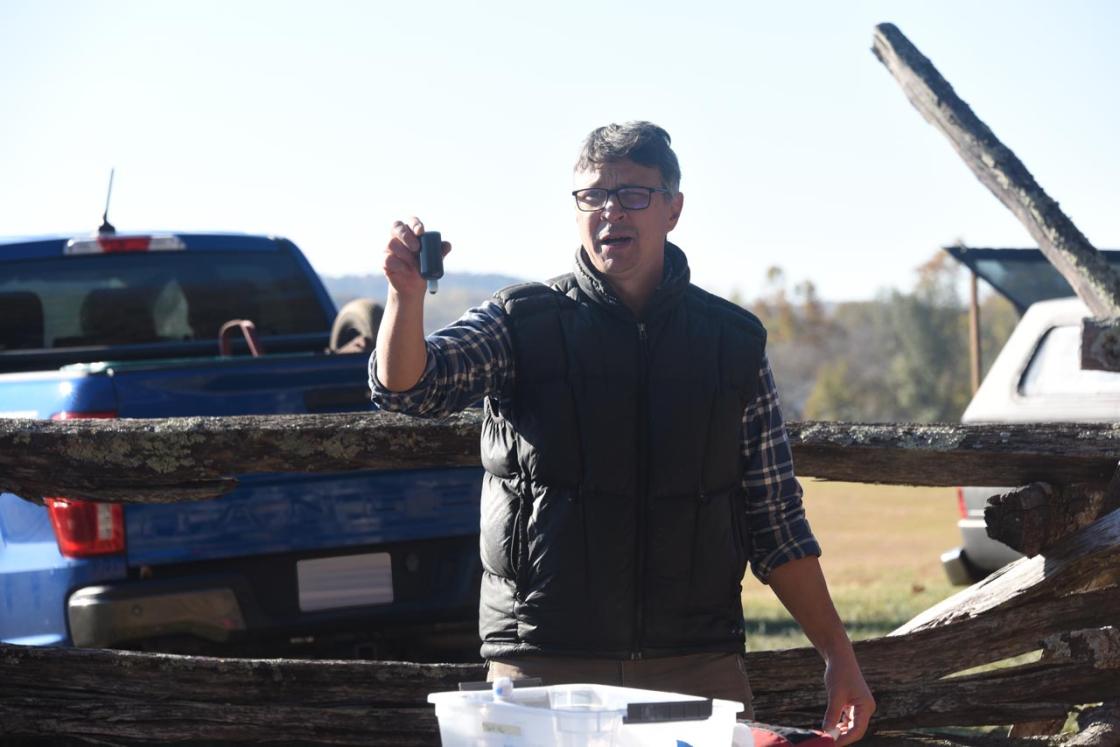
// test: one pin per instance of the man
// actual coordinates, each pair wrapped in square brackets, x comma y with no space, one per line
[635,454]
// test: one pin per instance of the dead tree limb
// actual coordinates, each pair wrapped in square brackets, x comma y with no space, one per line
[943,650]
[1098,727]
[1015,611]
[1039,515]
[177,459]
[938,454]
[1000,171]
[1085,561]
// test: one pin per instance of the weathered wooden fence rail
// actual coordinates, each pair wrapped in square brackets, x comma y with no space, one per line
[157,461]
[1062,601]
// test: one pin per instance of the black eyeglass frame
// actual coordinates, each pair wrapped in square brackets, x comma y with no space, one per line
[617,193]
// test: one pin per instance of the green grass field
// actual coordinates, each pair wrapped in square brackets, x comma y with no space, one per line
[881,557]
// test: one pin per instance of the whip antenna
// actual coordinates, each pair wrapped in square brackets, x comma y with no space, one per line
[106,226]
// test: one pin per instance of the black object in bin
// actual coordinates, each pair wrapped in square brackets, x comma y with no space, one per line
[673,710]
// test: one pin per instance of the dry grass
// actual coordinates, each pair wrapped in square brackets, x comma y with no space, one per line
[881,558]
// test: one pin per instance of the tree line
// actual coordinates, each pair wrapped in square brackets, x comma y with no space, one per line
[902,356]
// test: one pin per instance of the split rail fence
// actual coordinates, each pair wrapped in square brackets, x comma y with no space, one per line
[1063,601]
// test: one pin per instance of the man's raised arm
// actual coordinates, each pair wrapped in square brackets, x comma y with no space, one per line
[401,353]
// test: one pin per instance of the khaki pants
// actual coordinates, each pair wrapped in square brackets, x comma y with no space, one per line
[707,675]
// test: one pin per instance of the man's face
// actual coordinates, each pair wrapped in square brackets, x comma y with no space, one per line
[627,244]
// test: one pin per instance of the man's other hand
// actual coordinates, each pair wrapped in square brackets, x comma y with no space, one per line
[801,586]
[850,703]
[402,259]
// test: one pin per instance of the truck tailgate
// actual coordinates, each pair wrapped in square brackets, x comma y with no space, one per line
[283,513]
[300,512]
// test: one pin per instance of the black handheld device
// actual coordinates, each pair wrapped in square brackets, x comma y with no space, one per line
[431,259]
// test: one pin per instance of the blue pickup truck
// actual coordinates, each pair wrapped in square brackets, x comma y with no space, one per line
[367,564]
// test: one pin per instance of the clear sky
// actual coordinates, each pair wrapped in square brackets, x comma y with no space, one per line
[324,121]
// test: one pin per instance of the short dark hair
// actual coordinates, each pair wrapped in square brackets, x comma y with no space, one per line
[643,143]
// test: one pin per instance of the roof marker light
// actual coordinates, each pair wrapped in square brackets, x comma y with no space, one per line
[115,244]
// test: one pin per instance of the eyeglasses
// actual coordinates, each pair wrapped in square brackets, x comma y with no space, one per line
[630,198]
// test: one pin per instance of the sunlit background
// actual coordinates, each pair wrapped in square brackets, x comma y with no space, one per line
[325,121]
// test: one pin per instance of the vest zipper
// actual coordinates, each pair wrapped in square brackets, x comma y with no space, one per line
[643,479]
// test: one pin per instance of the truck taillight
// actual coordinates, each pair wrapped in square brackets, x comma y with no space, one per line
[962,508]
[86,528]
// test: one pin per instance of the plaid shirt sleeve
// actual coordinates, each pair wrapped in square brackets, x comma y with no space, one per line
[779,530]
[467,361]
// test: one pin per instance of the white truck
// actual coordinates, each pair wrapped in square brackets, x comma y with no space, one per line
[1036,378]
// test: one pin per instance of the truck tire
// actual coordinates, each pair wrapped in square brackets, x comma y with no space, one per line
[357,321]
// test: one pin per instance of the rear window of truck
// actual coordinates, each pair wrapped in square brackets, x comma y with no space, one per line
[151,297]
[1055,369]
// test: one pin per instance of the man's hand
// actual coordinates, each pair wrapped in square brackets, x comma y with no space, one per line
[802,588]
[402,263]
[850,703]
[401,353]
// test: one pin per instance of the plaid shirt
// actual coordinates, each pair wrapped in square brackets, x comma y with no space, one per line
[473,358]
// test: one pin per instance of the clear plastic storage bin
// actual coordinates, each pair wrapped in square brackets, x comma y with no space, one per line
[581,715]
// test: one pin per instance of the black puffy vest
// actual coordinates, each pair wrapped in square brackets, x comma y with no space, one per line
[613,520]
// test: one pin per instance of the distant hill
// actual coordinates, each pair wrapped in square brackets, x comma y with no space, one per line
[458,291]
